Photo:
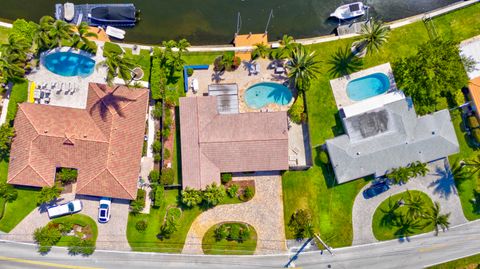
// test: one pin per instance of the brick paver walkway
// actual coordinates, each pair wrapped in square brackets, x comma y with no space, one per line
[264,212]
[437,184]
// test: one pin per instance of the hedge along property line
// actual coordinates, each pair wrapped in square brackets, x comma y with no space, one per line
[185,73]
[19,94]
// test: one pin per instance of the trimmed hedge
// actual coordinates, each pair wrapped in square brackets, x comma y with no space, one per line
[476,135]
[19,95]
[297,111]
[472,122]
[156,78]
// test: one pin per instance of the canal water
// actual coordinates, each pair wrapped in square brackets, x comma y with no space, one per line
[215,21]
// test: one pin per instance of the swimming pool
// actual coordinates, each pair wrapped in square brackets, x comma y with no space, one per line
[368,86]
[264,93]
[69,64]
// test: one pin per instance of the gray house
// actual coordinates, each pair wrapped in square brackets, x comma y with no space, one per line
[386,133]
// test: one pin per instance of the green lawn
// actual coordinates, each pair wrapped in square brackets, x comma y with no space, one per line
[386,232]
[331,206]
[211,246]
[4,34]
[143,60]
[465,188]
[19,95]
[463,263]
[79,219]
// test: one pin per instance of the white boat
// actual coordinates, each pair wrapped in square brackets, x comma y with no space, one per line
[68,11]
[350,11]
[115,32]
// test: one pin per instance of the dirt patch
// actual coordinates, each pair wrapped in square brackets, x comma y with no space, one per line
[168,142]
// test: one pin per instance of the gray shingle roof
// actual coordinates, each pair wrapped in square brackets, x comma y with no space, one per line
[395,137]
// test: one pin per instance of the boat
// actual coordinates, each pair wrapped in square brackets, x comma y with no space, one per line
[115,32]
[350,11]
[68,11]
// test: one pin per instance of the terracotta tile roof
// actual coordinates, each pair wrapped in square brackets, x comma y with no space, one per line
[474,89]
[104,142]
[213,143]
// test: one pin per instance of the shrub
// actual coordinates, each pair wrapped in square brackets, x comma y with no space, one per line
[226,177]
[189,72]
[221,232]
[297,110]
[166,133]
[476,135]
[323,156]
[67,175]
[168,227]
[48,194]
[137,205]
[88,247]
[232,190]
[244,234]
[472,122]
[166,154]
[191,197]
[248,193]
[157,111]
[301,223]
[75,246]
[112,48]
[3,203]
[158,196]
[8,193]
[141,225]
[46,237]
[154,176]
[6,135]
[65,227]
[157,158]
[213,194]
[234,233]
[156,146]
[22,28]
[167,177]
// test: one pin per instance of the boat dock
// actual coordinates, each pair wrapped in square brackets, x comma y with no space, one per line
[351,28]
[82,14]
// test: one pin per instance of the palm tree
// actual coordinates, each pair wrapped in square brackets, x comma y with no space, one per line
[390,213]
[407,226]
[460,172]
[419,169]
[261,51]
[303,68]
[82,35]
[182,46]
[288,45]
[118,65]
[9,70]
[473,165]
[374,35]
[437,219]
[42,34]
[61,31]
[399,175]
[16,48]
[415,205]
[344,62]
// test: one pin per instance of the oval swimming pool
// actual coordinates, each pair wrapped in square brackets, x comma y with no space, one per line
[368,86]
[264,93]
[69,64]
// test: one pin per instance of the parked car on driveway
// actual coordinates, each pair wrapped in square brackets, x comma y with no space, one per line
[376,189]
[71,207]
[104,209]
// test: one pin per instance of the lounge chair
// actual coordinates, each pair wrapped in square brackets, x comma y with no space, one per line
[195,86]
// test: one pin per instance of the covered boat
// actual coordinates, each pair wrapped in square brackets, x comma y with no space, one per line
[350,11]
[118,15]
[68,11]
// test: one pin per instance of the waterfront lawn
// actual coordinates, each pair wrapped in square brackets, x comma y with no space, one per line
[331,205]
[17,210]
[465,188]
[143,60]
[463,263]
[211,246]
[384,231]
[4,31]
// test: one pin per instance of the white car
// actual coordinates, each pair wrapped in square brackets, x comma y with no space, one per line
[104,209]
[71,207]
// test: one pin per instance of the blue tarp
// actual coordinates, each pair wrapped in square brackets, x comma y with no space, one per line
[185,75]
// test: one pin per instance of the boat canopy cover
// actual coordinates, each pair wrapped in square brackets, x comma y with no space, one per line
[113,13]
[354,7]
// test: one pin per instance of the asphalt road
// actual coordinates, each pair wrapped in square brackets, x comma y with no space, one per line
[418,252]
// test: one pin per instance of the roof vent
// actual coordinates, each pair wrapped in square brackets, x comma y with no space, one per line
[433,132]
[358,153]
[45,131]
[84,136]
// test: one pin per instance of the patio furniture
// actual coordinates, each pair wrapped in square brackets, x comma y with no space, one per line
[195,86]
[36,94]
[46,100]
[279,70]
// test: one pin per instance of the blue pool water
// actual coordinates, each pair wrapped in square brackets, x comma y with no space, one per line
[264,93]
[69,64]
[368,86]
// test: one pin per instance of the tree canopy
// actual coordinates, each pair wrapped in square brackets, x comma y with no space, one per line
[435,71]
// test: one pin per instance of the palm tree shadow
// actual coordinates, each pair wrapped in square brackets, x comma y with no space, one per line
[109,100]
[344,62]
[445,184]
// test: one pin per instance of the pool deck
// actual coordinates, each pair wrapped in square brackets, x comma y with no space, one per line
[339,85]
[244,79]
[64,97]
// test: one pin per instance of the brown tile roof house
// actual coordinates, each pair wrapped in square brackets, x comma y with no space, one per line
[214,143]
[104,142]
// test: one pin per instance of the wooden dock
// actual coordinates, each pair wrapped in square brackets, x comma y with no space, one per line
[351,28]
[247,41]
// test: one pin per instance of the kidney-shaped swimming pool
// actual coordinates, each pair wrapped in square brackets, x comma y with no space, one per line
[69,64]
[368,86]
[264,93]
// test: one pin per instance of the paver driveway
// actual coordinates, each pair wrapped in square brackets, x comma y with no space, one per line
[264,212]
[438,184]
[111,235]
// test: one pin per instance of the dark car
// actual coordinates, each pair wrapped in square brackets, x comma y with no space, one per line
[376,189]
